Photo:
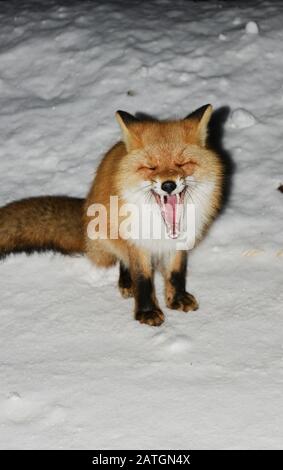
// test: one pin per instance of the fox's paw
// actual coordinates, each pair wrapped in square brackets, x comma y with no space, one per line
[126,292]
[151,317]
[182,301]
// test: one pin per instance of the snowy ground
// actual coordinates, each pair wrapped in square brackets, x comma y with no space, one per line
[76,371]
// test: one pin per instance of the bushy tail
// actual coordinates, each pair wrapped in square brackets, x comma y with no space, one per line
[42,223]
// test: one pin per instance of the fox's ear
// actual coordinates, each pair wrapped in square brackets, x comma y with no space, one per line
[126,118]
[202,117]
[125,121]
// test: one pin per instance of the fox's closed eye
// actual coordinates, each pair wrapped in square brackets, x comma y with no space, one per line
[180,165]
[147,167]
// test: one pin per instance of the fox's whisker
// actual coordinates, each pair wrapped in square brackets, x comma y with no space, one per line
[188,181]
[142,189]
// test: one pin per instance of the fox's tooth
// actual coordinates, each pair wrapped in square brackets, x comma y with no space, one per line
[179,210]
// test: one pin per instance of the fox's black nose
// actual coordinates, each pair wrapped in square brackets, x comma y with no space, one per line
[168,186]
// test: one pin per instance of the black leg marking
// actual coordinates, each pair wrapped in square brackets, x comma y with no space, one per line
[178,298]
[125,282]
[125,279]
[147,310]
[144,296]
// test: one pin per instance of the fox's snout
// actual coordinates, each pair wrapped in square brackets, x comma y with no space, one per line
[168,186]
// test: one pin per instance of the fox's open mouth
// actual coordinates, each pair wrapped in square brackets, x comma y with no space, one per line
[171,207]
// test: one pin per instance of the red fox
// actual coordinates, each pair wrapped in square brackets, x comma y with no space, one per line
[166,165]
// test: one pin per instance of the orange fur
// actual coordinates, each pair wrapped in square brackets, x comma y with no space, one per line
[42,223]
[164,146]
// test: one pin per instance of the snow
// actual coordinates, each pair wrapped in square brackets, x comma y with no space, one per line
[241,118]
[252,28]
[76,371]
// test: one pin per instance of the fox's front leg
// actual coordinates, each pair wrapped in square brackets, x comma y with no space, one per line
[125,281]
[146,306]
[175,283]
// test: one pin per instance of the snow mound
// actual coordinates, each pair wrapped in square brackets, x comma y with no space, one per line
[252,28]
[241,118]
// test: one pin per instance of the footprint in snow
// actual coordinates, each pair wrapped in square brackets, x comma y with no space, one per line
[56,415]
[17,409]
[22,410]
[173,344]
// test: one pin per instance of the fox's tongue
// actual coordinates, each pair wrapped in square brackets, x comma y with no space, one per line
[171,214]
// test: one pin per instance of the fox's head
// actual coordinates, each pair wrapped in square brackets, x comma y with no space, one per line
[169,165]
